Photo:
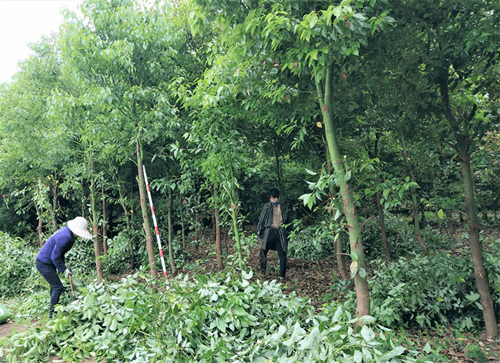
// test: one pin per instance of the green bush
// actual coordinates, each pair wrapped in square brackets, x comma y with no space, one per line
[17,266]
[222,318]
[118,257]
[424,291]
[400,238]
[311,243]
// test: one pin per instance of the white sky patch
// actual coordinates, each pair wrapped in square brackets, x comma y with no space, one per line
[23,22]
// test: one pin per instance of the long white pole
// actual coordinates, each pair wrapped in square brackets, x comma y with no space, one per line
[154,222]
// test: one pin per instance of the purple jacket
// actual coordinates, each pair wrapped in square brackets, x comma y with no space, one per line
[56,246]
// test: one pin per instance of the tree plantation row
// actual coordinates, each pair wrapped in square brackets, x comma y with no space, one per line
[354,110]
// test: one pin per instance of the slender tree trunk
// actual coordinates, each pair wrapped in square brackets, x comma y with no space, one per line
[463,143]
[449,222]
[54,206]
[39,228]
[378,198]
[381,221]
[104,223]
[170,231]
[337,241]
[144,210]
[339,252]
[130,227]
[414,202]
[95,227]
[218,246]
[234,216]
[183,224]
[476,251]
[278,163]
[349,207]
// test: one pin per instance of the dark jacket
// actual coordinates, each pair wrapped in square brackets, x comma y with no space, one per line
[265,222]
[56,246]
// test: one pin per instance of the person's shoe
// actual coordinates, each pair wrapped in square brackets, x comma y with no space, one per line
[282,278]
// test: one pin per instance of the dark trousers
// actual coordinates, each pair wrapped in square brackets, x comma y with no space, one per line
[273,243]
[49,273]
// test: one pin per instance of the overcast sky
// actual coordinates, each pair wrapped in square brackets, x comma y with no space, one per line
[23,22]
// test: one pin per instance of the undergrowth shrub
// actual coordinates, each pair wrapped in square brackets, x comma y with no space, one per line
[81,258]
[221,318]
[311,243]
[400,238]
[424,291]
[119,256]
[434,239]
[17,266]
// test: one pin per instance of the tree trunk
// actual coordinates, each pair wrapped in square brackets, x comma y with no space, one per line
[95,227]
[349,207]
[144,210]
[54,206]
[278,163]
[129,228]
[463,143]
[104,223]
[475,246]
[183,224]
[337,247]
[218,246]
[414,202]
[449,222]
[236,230]
[170,231]
[381,221]
[39,228]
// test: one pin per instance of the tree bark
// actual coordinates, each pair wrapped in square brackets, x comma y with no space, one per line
[54,205]
[95,227]
[480,273]
[349,207]
[462,146]
[414,202]
[170,231]
[144,210]
[104,223]
[39,228]
[218,246]
[129,228]
[381,221]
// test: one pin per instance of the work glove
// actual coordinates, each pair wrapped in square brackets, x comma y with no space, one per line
[67,272]
[258,235]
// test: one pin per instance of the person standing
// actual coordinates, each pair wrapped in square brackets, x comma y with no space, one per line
[270,230]
[50,258]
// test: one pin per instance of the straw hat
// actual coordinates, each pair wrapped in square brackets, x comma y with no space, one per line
[79,227]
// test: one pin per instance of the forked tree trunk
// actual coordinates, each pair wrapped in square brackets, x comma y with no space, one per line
[144,210]
[349,207]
